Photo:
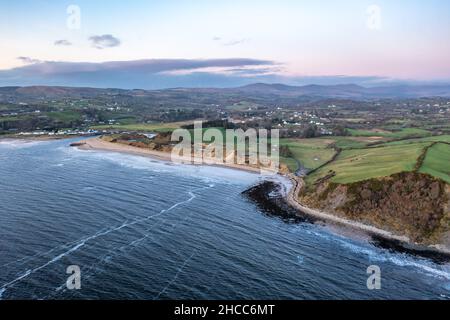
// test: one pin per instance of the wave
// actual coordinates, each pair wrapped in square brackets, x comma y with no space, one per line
[423,266]
[58,165]
[399,259]
[204,173]
[83,241]
[430,270]
[89,188]
[19,144]
[107,248]
[180,269]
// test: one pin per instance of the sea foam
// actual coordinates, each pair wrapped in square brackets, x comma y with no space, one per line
[19,144]
[203,172]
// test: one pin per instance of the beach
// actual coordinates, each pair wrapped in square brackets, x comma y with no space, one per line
[99,144]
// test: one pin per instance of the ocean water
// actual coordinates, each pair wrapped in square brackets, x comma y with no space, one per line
[143,229]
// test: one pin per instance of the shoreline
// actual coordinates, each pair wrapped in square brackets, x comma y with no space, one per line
[291,190]
[271,199]
[41,137]
[291,198]
[98,144]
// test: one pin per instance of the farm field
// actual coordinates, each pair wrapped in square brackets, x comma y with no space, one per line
[156,127]
[437,162]
[314,152]
[400,134]
[357,142]
[311,153]
[443,138]
[362,164]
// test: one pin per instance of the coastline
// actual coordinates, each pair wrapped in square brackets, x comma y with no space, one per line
[98,144]
[291,188]
[270,196]
[292,196]
[403,241]
[39,137]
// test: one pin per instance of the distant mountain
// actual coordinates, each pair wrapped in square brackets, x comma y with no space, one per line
[53,92]
[287,88]
[348,91]
[272,91]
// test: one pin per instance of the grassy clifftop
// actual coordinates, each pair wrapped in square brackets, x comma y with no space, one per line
[437,161]
[427,155]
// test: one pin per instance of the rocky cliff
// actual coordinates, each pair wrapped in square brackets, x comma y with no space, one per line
[412,204]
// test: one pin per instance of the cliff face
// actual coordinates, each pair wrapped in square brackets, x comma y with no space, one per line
[411,204]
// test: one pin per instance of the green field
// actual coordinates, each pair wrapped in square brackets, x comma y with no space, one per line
[362,164]
[399,134]
[311,153]
[356,142]
[314,152]
[437,162]
[64,116]
[145,127]
[443,138]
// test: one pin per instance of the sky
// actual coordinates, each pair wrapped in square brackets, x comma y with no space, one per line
[155,44]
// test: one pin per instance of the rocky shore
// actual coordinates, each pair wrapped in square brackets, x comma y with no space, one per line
[269,198]
[409,204]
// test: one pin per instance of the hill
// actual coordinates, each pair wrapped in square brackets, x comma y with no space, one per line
[258,90]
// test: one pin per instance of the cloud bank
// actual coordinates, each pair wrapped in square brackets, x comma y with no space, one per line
[162,73]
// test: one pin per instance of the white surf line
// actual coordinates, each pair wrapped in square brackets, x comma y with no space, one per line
[75,248]
[110,254]
[176,275]
[83,242]
[36,255]
[89,273]
[173,226]
[134,242]
[164,220]
[42,253]
[112,251]
[31,271]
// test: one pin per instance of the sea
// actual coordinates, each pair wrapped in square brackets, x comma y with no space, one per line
[136,228]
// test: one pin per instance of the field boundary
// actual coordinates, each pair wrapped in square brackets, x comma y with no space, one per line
[422,156]
[424,153]
[338,152]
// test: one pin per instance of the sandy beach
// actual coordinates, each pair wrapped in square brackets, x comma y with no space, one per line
[99,144]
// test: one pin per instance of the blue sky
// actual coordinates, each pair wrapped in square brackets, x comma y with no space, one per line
[286,40]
